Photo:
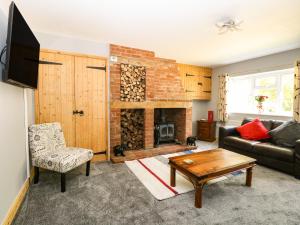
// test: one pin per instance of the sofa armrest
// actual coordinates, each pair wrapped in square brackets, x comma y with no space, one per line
[297,160]
[297,149]
[224,132]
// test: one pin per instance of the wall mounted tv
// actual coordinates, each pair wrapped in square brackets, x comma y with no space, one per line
[22,52]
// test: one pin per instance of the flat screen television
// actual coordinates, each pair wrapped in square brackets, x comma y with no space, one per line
[22,53]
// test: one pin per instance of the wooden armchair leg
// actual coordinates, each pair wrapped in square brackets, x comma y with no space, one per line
[88,165]
[63,182]
[36,175]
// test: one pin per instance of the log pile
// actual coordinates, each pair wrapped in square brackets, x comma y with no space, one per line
[132,128]
[133,83]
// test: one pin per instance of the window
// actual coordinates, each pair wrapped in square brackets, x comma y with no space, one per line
[277,85]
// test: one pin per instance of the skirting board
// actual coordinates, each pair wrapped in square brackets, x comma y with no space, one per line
[16,204]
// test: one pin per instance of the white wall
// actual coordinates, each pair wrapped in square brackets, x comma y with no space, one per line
[13,158]
[278,61]
[199,111]
[72,44]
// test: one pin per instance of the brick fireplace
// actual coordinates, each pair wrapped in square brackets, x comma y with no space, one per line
[163,89]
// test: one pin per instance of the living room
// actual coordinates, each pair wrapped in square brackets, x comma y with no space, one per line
[149,112]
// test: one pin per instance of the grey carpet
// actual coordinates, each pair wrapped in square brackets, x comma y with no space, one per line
[113,195]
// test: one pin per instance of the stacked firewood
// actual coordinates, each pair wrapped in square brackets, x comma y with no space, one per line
[132,128]
[133,83]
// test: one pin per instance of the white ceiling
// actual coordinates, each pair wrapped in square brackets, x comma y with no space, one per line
[179,29]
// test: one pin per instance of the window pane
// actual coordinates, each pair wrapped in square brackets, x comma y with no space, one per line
[287,93]
[240,95]
[270,104]
[265,82]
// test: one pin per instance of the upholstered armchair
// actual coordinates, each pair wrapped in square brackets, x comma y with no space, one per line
[49,151]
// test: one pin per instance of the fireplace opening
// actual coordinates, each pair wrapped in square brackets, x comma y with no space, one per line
[169,126]
[132,128]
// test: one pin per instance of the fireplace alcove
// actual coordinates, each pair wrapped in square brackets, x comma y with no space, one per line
[132,128]
[169,125]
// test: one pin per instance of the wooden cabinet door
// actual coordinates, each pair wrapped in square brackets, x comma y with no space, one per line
[90,97]
[206,87]
[55,93]
[191,85]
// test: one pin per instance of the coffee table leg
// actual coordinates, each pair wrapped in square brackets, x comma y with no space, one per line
[198,195]
[249,177]
[173,176]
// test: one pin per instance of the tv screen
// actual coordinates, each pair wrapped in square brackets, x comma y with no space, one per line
[22,54]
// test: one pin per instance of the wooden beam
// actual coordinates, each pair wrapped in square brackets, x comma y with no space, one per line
[150,104]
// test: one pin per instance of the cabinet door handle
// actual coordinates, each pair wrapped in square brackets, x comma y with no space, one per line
[81,112]
[200,83]
[189,75]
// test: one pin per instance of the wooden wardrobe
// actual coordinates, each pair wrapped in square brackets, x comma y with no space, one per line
[72,90]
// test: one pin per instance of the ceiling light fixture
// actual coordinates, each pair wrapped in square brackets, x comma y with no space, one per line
[229,25]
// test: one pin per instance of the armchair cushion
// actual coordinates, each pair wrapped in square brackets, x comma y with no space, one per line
[63,160]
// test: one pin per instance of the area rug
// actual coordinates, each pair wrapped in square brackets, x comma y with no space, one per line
[154,174]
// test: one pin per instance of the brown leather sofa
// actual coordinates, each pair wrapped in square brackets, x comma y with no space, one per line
[265,152]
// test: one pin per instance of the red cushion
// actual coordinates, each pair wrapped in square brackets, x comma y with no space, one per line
[254,130]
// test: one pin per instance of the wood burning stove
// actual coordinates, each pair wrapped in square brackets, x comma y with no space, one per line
[164,131]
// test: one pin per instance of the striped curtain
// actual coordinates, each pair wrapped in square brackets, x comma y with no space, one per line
[222,101]
[296,110]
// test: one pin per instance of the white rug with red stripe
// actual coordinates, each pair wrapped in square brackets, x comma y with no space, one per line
[154,174]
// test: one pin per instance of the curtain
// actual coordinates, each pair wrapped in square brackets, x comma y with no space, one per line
[222,101]
[296,110]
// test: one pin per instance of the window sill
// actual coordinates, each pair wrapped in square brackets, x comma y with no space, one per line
[261,114]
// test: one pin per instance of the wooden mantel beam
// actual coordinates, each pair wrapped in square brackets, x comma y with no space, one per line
[150,104]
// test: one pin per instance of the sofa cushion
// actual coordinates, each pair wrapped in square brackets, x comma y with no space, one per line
[276,123]
[266,123]
[286,134]
[274,151]
[239,143]
[254,130]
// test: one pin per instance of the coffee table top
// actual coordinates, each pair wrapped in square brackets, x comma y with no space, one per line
[211,161]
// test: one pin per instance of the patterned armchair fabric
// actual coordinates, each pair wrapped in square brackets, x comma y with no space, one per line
[49,151]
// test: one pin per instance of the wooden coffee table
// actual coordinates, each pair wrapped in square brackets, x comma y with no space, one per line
[209,165]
